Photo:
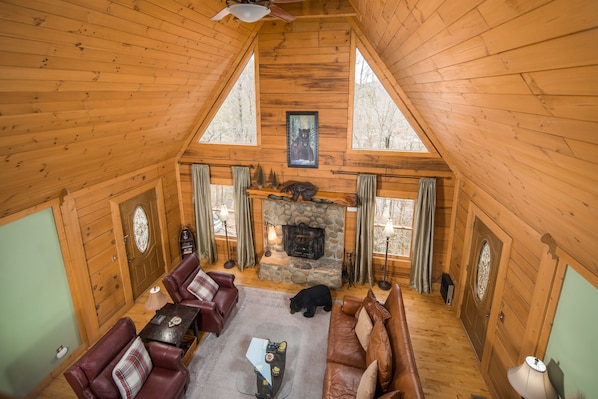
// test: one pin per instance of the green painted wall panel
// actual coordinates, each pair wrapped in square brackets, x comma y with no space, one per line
[37,314]
[572,352]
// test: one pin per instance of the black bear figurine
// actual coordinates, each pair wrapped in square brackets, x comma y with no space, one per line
[309,298]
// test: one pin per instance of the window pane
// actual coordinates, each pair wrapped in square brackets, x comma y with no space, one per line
[235,121]
[223,195]
[400,211]
[378,124]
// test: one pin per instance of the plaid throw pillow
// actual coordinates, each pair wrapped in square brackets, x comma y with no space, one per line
[203,286]
[132,370]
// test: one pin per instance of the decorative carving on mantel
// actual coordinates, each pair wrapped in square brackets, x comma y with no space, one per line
[322,197]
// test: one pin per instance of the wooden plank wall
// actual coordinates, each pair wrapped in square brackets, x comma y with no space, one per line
[306,67]
[96,247]
[509,91]
[510,94]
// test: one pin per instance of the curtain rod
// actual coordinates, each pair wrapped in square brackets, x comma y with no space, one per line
[218,165]
[342,172]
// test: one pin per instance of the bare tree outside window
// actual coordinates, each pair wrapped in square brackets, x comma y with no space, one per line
[235,121]
[378,124]
[400,211]
[223,195]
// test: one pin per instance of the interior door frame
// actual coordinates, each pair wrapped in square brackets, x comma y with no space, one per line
[474,213]
[121,249]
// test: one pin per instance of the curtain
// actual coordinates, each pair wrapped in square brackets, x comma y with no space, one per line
[364,231]
[245,250]
[423,237]
[202,202]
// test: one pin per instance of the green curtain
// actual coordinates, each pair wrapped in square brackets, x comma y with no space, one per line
[423,237]
[245,250]
[202,202]
[364,231]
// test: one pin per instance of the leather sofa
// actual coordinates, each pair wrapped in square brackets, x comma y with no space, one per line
[346,358]
[91,376]
[214,313]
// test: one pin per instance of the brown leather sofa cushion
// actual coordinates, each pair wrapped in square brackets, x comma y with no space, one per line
[342,381]
[374,308]
[345,348]
[380,350]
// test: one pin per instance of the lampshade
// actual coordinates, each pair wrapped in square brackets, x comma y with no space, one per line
[531,381]
[271,234]
[156,299]
[389,230]
[224,213]
[249,12]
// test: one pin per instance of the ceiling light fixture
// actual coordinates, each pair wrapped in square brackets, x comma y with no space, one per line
[249,10]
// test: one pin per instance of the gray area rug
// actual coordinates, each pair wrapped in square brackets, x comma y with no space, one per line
[220,370]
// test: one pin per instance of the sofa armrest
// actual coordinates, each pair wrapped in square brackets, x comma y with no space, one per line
[351,304]
[223,279]
[165,356]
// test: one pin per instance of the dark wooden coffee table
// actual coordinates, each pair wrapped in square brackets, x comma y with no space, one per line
[158,329]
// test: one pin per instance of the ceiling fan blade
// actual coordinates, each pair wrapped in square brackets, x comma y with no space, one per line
[285,1]
[278,12]
[223,13]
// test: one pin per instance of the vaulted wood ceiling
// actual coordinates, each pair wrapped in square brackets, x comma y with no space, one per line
[506,90]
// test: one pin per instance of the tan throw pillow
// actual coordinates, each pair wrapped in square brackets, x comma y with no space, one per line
[367,384]
[379,349]
[363,328]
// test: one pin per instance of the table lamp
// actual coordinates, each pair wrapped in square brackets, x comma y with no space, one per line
[530,380]
[156,300]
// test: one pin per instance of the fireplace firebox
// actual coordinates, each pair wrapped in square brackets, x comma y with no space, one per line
[303,241]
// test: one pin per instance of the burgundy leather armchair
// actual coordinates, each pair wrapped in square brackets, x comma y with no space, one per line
[91,376]
[214,313]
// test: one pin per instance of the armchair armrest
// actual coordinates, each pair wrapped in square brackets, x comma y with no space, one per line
[207,308]
[223,279]
[165,356]
[351,304]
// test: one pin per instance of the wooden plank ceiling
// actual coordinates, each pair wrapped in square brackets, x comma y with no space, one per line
[509,92]
[90,91]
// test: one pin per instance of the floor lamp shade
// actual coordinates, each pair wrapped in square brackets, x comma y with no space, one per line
[156,299]
[530,380]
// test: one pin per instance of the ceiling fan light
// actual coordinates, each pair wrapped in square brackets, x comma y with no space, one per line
[249,12]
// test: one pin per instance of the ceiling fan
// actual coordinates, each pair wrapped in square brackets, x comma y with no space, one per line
[254,10]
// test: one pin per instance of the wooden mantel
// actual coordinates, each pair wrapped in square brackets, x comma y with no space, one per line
[322,197]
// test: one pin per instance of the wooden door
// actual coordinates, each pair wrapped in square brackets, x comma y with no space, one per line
[141,229]
[482,268]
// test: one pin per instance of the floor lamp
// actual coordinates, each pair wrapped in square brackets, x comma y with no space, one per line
[224,217]
[388,232]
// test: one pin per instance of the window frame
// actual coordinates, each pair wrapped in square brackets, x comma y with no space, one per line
[396,94]
[393,196]
[202,126]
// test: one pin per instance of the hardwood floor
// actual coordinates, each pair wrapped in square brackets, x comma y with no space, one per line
[447,366]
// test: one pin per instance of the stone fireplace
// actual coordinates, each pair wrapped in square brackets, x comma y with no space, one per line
[296,230]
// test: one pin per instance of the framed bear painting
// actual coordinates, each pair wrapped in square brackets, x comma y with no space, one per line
[302,139]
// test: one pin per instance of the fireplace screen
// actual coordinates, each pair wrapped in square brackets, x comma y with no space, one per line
[303,241]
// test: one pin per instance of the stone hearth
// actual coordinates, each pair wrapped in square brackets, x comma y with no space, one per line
[283,268]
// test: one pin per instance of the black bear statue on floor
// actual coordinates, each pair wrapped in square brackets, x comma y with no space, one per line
[309,298]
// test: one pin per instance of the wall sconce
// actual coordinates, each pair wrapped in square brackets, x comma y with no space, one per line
[389,231]
[530,380]
[156,300]
[224,217]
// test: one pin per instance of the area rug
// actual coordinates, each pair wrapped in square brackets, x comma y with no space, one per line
[220,370]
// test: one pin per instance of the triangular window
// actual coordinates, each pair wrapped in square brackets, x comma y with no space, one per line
[378,124]
[235,121]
